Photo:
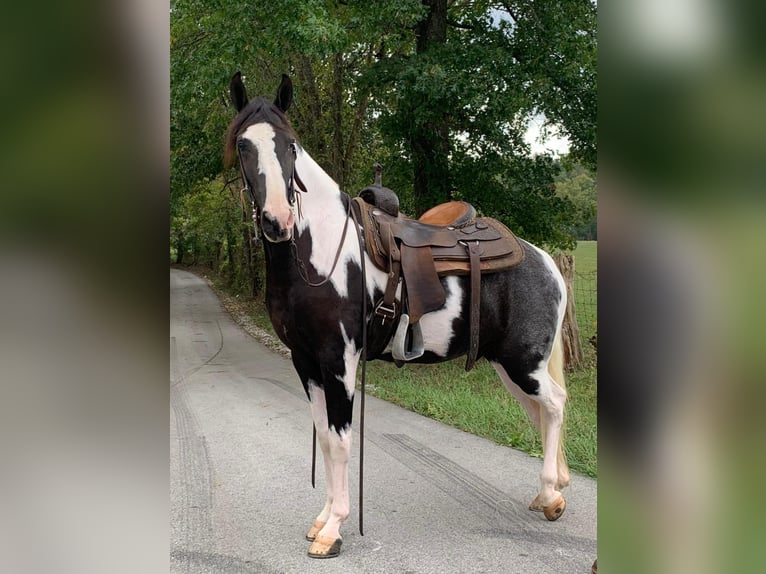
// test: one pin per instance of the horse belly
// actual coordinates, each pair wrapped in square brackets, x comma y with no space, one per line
[443,330]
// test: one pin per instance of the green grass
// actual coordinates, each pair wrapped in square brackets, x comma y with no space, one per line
[585,256]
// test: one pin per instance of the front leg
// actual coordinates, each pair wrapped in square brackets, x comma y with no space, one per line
[335,442]
[311,377]
[331,406]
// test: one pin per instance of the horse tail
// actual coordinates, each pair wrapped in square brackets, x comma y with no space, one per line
[556,372]
[556,361]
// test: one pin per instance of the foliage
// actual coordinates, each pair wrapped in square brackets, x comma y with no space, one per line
[441,99]
[578,184]
[207,229]
[554,45]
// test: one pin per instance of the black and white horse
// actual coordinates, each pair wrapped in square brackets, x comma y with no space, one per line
[521,309]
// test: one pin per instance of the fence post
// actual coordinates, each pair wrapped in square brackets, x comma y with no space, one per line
[573,355]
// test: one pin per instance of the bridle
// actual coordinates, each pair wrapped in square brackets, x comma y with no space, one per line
[291,183]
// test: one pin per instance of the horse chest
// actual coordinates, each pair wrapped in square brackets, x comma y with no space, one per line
[309,317]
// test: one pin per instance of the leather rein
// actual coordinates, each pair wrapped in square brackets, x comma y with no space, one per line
[292,198]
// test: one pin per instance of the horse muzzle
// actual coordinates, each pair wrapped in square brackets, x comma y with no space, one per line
[277,229]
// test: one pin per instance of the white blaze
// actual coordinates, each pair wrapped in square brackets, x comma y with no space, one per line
[262,137]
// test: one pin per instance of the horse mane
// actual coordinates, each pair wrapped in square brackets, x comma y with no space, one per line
[256,111]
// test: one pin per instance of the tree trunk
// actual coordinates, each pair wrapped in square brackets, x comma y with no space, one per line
[230,240]
[315,125]
[180,248]
[430,140]
[573,355]
[338,166]
[246,264]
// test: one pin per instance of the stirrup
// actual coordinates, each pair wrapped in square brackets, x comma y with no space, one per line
[398,350]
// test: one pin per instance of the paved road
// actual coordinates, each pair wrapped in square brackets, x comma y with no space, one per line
[437,500]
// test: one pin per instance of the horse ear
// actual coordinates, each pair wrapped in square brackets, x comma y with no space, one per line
[284,93]
[237,92]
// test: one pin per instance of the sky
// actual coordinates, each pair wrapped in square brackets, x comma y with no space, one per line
[554,142]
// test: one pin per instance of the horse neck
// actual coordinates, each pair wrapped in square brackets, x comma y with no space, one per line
[321,215]
[322,208]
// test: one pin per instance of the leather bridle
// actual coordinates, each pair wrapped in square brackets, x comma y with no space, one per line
[291,182]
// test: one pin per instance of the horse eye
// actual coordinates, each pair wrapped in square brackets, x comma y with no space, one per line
[241,144]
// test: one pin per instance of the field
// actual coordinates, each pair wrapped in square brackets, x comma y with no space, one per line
[585,288]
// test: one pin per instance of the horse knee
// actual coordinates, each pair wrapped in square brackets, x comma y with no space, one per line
[552,398]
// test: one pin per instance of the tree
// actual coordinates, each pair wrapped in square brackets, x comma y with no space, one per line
[577,184]
[437,91]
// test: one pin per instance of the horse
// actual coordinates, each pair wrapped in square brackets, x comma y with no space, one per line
[321,287]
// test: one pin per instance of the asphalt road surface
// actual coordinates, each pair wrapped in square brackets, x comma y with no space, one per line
[437,500]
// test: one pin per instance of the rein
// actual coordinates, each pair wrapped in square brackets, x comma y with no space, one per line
[363,359]
[303,272]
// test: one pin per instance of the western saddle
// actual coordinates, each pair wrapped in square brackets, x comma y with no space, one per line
[448,239]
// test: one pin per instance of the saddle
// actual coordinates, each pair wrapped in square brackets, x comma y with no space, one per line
[448,239]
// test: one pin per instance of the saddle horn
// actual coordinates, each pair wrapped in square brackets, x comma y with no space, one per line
[380,196]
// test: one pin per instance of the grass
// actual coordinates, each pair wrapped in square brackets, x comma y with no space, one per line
[477,402]
[585,256]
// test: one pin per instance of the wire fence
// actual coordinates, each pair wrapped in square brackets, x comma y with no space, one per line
[586,307]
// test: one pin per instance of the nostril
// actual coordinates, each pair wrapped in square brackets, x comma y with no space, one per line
[267,223]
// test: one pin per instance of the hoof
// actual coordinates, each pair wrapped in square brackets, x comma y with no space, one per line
[594,569]
[314,530]
[325,547]
[554,511]
[536,505]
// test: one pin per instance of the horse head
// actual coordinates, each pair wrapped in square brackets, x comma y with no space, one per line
[263,140]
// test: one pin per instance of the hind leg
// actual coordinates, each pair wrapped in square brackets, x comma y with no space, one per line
[551,398]
[533,410]
[544,401]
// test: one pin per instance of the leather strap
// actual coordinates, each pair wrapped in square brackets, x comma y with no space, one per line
[424,294]
[474,252]
[387,308]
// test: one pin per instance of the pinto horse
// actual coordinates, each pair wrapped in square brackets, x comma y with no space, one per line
[318,296]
